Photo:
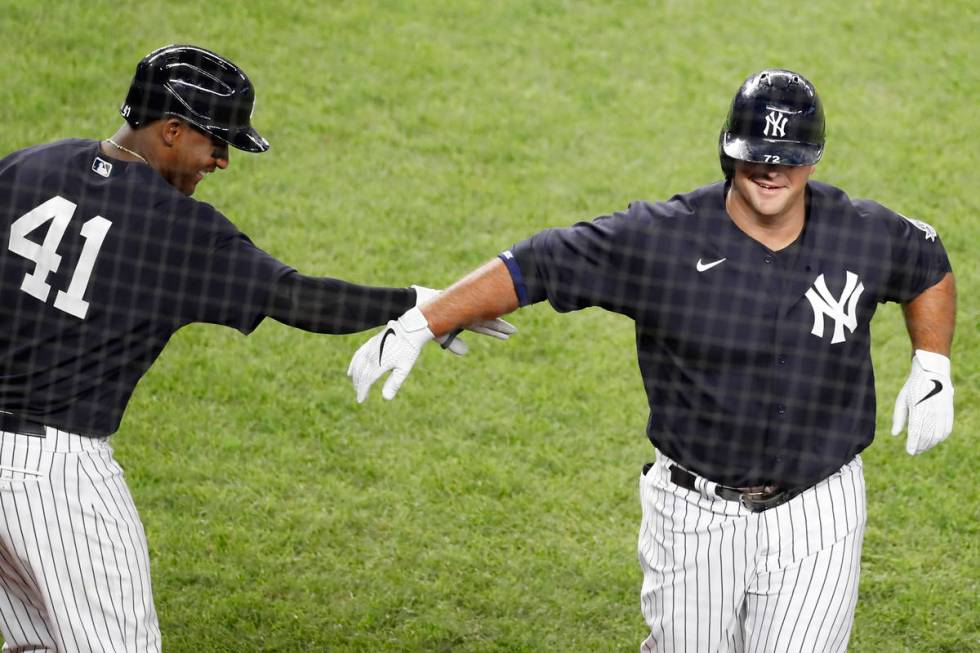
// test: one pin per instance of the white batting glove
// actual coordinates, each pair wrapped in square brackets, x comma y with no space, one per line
[926,400]
[396,348]
[496,328]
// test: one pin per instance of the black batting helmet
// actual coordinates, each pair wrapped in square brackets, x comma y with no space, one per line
[776,117]
[198,86]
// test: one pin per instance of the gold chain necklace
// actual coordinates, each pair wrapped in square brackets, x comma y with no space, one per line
[128,151]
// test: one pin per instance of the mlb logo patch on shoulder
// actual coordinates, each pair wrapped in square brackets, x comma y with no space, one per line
[101,167]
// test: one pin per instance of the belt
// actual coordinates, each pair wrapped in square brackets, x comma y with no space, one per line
[757,498]
[11,423]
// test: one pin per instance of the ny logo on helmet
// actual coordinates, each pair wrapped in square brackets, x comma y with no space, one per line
[777,121]
[824,304]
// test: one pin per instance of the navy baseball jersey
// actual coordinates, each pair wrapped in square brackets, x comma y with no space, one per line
[101,262]
[756,363]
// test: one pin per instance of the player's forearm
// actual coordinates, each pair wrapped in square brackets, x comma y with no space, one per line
[325,305]
[930,317]
[484,294]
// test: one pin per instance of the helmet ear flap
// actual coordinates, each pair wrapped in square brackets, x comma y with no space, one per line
[727,162]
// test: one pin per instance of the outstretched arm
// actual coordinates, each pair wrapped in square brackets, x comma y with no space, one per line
[481,296]
[484,294]
[327,305]
[926,399]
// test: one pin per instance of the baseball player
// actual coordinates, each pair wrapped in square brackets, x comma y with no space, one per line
[104,256]
[752,300]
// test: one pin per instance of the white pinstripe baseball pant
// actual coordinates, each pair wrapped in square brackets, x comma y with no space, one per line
[720,578]
[74,566]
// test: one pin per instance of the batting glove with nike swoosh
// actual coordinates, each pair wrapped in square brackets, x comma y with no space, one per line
[496,328]
[394,349]
[926,400]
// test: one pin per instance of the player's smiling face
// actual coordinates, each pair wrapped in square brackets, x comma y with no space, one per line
[194,155]
[769,190]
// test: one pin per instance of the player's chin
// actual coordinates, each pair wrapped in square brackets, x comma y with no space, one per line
[187,186]
[770,208]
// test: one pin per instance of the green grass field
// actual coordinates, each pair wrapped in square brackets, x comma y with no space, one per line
[493,505]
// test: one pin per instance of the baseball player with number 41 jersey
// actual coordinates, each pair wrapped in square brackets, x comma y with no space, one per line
[752,300]
[105,255]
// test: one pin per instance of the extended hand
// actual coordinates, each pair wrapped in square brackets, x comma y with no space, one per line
[396,348]
[926,400]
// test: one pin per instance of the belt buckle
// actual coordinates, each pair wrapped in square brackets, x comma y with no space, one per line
[762,500]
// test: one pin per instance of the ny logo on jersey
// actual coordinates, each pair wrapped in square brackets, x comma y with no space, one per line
[824,304]
[777,121]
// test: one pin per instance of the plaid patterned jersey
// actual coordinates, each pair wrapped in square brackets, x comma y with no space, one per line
[102,261]
[756,363]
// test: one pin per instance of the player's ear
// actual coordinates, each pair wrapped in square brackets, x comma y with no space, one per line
[171,130]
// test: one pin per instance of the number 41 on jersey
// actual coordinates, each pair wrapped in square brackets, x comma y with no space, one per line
[46,258]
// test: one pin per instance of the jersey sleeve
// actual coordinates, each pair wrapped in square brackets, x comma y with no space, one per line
[603,262]
[917,259]
[221,276]
[327,305]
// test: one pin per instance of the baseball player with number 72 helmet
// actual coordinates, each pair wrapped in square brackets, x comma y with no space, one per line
[752,300]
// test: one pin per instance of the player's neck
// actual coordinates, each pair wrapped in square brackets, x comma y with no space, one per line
[775,230]
[126,146]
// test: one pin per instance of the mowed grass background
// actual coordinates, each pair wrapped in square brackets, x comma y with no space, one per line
[493,505]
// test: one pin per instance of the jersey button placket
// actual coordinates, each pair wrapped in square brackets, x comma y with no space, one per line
[780,359]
